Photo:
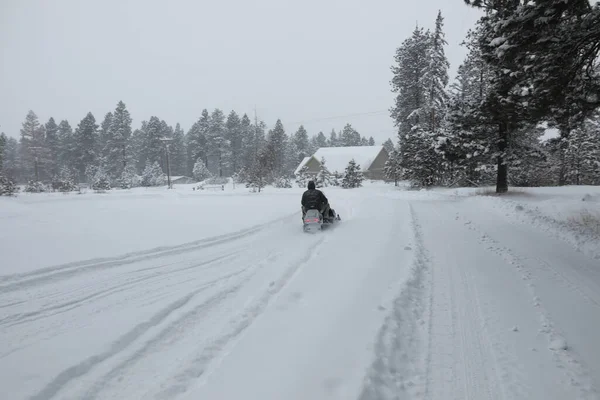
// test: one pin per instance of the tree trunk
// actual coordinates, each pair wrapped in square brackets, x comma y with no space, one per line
[502,177]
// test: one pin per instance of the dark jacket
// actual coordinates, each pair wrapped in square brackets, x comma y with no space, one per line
[314,198]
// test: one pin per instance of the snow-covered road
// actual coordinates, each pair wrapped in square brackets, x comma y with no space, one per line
[423,295]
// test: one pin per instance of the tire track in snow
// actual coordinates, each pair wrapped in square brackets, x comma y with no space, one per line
[52,274]
[126,340]
[399,366]
[49,311]
[200,365]
[578,375]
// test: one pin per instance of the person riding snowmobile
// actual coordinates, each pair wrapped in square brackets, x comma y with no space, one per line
[313,198]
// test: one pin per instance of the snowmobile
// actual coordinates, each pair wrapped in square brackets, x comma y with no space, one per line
[314,221]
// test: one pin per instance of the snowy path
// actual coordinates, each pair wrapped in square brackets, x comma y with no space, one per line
[430,297]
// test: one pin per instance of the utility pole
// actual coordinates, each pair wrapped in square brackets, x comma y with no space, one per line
[35,150]
[167,142]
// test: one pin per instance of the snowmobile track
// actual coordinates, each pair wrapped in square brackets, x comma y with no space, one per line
[52,274]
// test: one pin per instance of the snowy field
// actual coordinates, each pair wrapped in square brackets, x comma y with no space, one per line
[439,294]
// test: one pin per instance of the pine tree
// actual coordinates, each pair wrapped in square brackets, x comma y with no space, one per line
[52,146]
[436,76]
[350,137]
[129,178]
[67,145]
[235,134]
[101,182]
[258,175]
[333,139]
[178,152]
[392,169]
[153,148]
[65,180]
[3,140]
[303,177]
[320,141]
[200,172]
[353,176]
[388,145]
[196,140]
[323,178]
[104,135]
[7,186]
[11,161]
[86,137]
[301,144]
[371,141]
[276,147]
[153,175]
[118,150]
[32,146]
[217,144]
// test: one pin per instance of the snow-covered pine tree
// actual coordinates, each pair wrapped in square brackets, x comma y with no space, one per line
[303,177]
[129,178]
[436,76]
[319,141]
[53,147]
[333,140]
[153,148]
[3,140]
[583,154]
[196,140]
[350,137]
[86,136]
[252,141]
[178,153]
[200,172]
[260,171]
[67,146]
[10,160]
[353,176]
[292,160]
[364,141]
[371,141]
[392,169]
[117,144]
[388,145]
[276,145]
[64,180]
[153,175]
[218,146]
[32,147]
[283,182]
[101,182]
[323,178]
[235,133]
[104,134]
[416,146]
[301,143]
[7,186]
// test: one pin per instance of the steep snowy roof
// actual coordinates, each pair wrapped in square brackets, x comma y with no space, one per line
[302,164]
[337,158]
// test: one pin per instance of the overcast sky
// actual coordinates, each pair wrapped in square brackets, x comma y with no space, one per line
[301,61]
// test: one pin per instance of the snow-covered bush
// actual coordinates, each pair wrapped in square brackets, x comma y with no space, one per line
[353,176]
[7,186]
[302,177]
[64,181]
[153,175]
[200,171]
[35,187]
[129,178]
[101,181]
[323,178]
[283,182]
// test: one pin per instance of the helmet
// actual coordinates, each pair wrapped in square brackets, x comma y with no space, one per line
[311,185]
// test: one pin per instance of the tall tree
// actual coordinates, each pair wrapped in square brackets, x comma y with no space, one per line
[196,140]
[86,137]
[11,161]
[436,75]
[118,150]
[153,149]
[235,136]
[350,137]
[3,140]
[301,144]
[217,144]
[333,139]
[389,146]
[52,148]
[277,145]
[104,134]
[178,152]
[32,146]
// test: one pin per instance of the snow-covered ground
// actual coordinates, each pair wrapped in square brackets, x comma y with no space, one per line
[439,294]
